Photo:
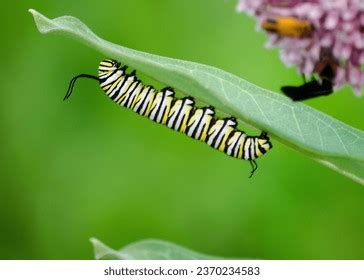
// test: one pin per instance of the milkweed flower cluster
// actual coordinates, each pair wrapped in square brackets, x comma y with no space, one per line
[338,25]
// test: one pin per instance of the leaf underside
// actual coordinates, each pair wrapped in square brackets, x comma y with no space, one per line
[317,135]
[149,249]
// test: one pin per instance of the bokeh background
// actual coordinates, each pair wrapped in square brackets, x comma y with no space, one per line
[86,168]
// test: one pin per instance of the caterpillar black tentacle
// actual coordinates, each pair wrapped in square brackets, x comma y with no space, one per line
[254,166]
[73,81]
[179,114]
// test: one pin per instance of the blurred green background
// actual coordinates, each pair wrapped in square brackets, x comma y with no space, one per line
[86,168]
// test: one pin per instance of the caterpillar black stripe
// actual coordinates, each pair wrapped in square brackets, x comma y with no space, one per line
[180,114]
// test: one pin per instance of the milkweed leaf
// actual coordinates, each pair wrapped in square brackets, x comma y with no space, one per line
[319,136]
[148,249]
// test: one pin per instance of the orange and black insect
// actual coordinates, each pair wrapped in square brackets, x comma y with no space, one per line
[288,26]
[326,70]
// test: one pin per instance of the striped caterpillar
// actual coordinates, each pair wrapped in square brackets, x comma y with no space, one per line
[179,114]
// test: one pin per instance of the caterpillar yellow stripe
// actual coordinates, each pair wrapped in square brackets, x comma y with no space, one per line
[179,114]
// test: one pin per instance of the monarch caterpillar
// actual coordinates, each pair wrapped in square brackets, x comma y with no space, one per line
[179,114]
[288,26]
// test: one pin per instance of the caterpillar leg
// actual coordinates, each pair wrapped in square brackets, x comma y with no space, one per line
[254,166]
[263,135]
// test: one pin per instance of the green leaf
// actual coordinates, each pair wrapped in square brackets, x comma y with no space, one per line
[319,136]
[149,249]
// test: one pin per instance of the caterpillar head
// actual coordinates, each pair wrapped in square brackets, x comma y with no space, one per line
[263,142]
[108,66]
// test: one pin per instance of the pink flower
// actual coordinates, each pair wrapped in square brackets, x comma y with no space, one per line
[338,25]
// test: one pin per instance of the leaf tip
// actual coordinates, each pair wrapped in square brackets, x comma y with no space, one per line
[32,11]
[35,14]
[43,23]
[96,243]
[100,249]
